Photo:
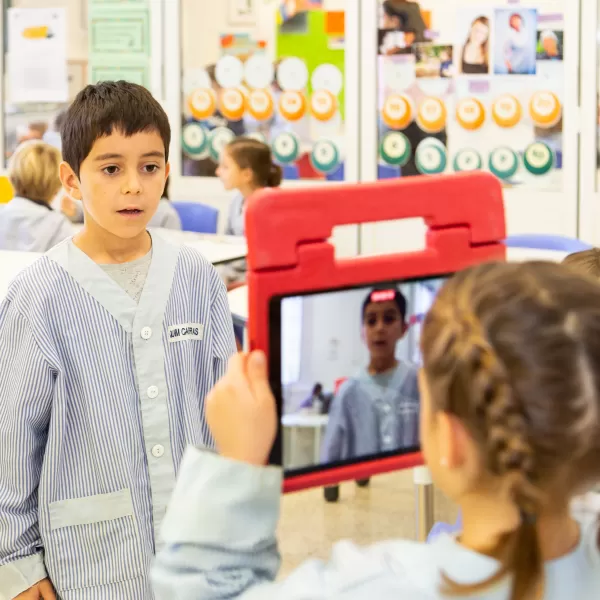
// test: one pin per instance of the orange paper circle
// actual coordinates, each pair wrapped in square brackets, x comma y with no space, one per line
[507,111]
[397,111]
[323,105]
[202,103]
[432,115]
[233,104]
[260,105]
[470,114]
[545,109]
[292,105]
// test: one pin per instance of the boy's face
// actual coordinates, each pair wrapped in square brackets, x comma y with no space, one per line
[384,327]
[121,181]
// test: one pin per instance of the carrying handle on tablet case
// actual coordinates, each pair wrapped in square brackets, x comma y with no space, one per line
[279,221]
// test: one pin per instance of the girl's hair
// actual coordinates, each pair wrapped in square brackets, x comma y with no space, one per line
[587,262]
[33,171]
[251,154]
[513,352]
[481,21]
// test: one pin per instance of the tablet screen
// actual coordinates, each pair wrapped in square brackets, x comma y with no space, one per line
[344,368]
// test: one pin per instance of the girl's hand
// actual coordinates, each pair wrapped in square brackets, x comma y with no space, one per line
[241,411]
[40,591]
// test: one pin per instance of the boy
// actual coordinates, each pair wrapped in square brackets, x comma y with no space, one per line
[108,345]
[378,411]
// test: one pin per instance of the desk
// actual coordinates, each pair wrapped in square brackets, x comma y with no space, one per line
[218,249]
[300,420]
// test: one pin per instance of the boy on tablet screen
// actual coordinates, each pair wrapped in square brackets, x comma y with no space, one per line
[377,410]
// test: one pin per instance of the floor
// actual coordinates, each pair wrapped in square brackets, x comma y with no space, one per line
[309,526]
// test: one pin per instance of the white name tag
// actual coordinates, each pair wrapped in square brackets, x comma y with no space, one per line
[188,331]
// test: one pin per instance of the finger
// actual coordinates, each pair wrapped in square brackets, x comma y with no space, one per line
[258,376]
[47,591]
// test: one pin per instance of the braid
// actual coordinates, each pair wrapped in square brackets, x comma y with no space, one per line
[501,426]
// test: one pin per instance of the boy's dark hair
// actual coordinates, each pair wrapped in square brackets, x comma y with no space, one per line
[395,296]
[100,109]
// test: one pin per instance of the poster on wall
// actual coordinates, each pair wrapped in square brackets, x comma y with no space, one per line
[37,55]
[472,86]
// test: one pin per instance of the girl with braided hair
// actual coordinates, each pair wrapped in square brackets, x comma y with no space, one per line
[510,412]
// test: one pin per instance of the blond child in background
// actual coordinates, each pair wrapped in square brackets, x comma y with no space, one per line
[28,223]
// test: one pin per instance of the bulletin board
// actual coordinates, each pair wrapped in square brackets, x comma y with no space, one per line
[484,89]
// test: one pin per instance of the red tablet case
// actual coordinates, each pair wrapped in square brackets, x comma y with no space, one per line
[289,253]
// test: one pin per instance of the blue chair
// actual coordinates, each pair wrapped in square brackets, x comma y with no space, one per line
[541,241]
[197,217]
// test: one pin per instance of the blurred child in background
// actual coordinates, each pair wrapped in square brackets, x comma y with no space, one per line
[28,222]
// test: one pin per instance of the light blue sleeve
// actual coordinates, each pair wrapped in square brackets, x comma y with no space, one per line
[166,217]
[224,345]
[335,442]
[219,544]
[26,386]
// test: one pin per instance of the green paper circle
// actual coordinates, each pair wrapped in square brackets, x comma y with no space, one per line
[325,156]
[431,157]
[395,149]
[194,140]
[538,158]
[467,160]
[286,148]
[219,138]
[504,162]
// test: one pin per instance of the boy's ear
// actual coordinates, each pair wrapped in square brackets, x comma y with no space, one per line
[70,181]
[167,171]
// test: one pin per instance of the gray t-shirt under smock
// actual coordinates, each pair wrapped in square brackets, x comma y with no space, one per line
[131,276]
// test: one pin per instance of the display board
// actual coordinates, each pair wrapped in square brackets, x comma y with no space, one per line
[467,85]
[282,82]
[482,88]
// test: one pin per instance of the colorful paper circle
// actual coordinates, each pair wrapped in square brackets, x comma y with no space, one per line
[325,156]
[232,104]
[219,138]
[259,72]
[292,74]
[395,149]
[431,157]
[397,112]
[323,105]
[467,160]
[504,162]
[229,72]
[538,158]
[202,103]
[328,77]
[470,114]
[286,148]
[507,111]
[194,140]
[431,116]
[260,105]
[292,105]
[545,109]
[259,137]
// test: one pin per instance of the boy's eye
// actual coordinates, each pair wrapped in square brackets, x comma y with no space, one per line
[151,168]
[112,170]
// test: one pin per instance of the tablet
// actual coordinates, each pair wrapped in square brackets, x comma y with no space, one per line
[344,369]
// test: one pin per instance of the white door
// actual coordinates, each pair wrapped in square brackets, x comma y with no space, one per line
[297,74]
[475,84]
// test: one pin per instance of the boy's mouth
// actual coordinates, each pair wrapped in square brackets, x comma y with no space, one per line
[130,212]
